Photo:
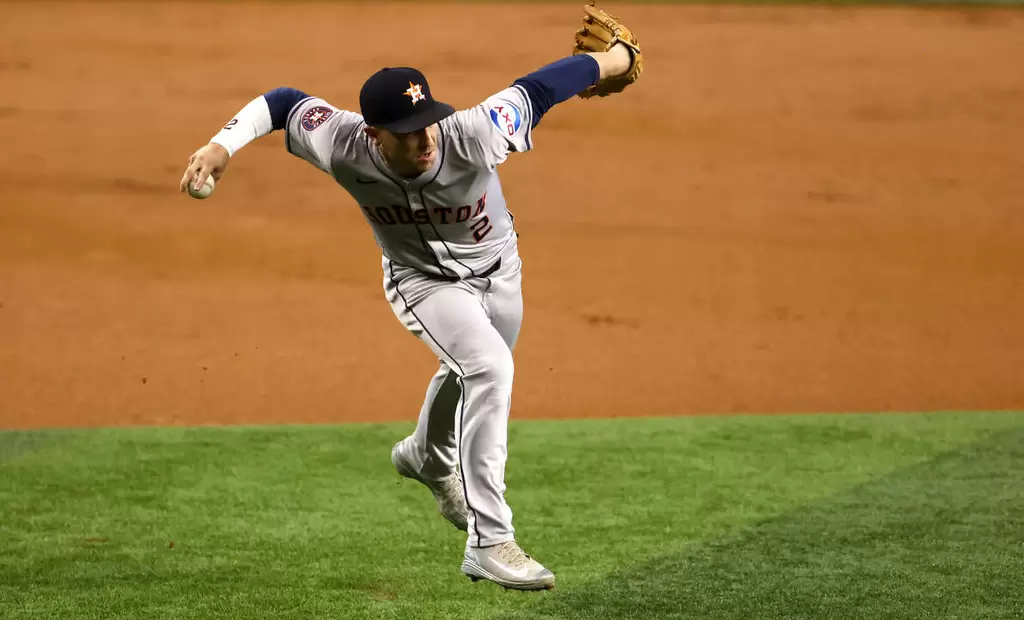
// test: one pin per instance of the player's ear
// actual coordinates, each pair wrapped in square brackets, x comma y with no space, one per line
[373,132]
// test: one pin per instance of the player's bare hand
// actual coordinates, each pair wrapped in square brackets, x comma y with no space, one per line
[210,160]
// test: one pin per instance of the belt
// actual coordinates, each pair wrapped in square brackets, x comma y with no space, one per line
[496,266]
[490,270]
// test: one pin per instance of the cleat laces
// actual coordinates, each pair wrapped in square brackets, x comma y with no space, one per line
[512,555]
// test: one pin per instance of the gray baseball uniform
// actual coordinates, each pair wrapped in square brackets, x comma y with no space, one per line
[450,257]
[451,274]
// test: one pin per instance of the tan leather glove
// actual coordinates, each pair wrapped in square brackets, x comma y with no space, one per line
[600,32]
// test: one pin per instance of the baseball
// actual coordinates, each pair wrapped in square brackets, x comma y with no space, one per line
[202,192]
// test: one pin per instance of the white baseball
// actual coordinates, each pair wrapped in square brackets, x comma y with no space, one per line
[204,191]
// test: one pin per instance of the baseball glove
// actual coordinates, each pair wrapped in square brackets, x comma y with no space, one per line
[600,32]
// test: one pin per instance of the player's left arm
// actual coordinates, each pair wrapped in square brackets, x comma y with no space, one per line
[562,79]
[504,122]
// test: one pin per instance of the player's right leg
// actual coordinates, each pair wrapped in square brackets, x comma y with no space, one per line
[430,454]
[432,448]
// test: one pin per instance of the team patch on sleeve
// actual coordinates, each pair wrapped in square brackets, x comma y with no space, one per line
[316,116]
[506,117]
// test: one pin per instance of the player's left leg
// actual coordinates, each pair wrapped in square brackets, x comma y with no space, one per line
[432,447]
[430,454]
[500,560]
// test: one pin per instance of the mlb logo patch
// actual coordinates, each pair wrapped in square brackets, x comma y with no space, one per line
[316,116]
[507,118]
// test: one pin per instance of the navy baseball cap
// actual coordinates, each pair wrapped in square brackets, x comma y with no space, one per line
[398,99]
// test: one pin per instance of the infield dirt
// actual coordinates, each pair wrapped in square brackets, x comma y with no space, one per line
[795,210]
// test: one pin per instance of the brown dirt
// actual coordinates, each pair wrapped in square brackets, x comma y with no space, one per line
[813,209]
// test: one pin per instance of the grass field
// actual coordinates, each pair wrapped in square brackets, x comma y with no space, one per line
[831,516]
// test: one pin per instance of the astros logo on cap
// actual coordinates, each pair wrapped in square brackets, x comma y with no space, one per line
[415,91]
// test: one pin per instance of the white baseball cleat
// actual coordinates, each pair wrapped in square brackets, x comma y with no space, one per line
[507,565]
[447,491]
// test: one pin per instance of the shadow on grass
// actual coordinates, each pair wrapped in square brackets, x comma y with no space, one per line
[17,443]
[941,539]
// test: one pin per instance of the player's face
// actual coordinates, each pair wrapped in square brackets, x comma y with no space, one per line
[409,154]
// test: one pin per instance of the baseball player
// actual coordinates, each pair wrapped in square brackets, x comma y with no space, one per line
[424,176]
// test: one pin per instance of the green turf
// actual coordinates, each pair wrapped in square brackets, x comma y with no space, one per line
[910,516]
[940,539]
[13,445]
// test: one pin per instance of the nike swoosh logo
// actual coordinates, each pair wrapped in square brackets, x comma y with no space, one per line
[362,181]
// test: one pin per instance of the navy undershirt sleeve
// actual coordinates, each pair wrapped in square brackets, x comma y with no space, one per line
[281,101]
[558,81]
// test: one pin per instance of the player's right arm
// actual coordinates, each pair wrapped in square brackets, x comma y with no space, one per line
[310,123]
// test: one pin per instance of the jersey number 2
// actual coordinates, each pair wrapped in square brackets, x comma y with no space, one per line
[481,228]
